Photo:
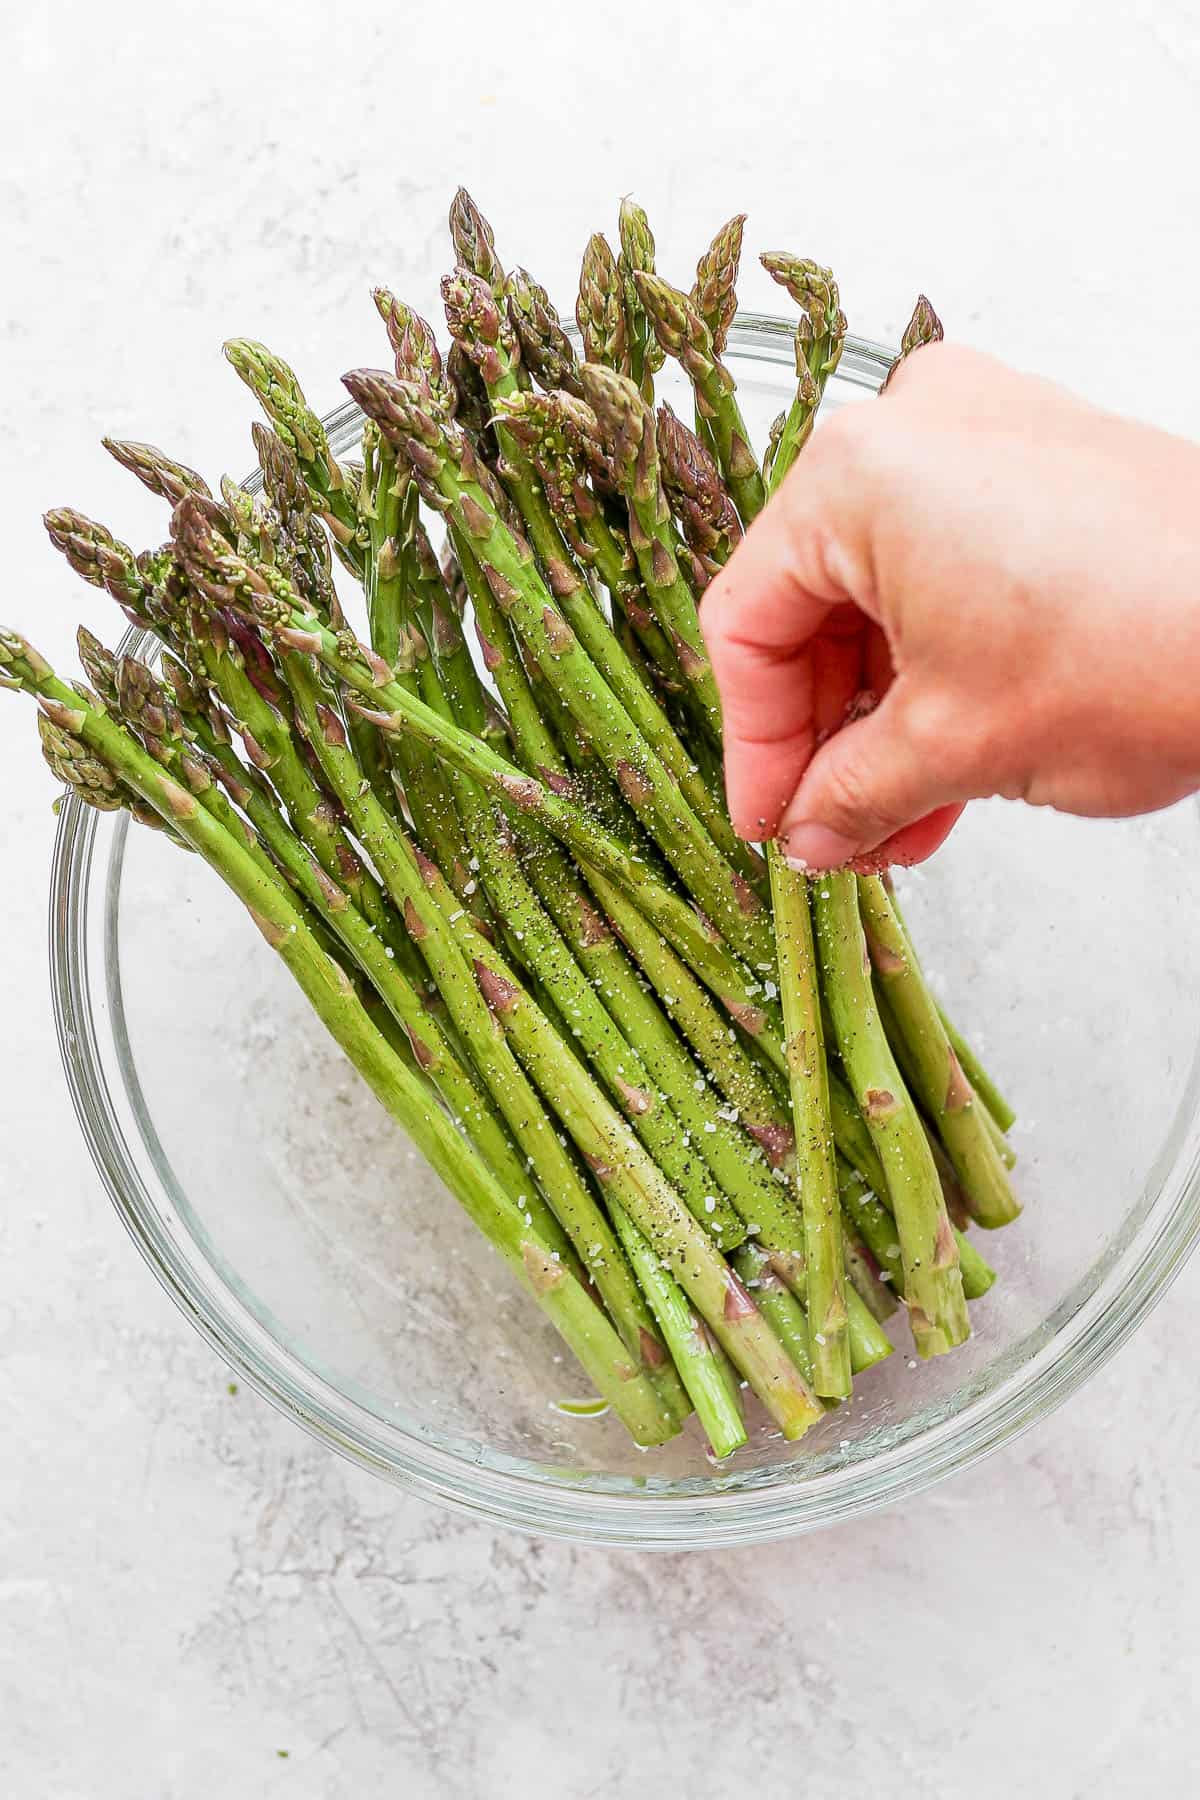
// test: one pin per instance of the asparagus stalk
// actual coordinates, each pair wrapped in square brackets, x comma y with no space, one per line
[560,434]
[484,333]
[999,1108]
[932,1280]
[702,1364]
[614,1058]
[816,1175]
[682,332]
[778,1305]
[474,241]
[282,923]
[820,335]
[698,496]
[627,426]
[937,1075]
[464,1098]
[861,1158]
[216,570]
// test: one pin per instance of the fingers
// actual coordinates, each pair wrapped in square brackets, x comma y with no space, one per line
[876,792]
[785,642]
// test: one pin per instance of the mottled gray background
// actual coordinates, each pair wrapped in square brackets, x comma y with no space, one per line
[188,1588]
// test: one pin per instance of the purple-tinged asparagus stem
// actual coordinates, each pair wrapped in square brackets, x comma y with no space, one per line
[698,496]
[621,1165]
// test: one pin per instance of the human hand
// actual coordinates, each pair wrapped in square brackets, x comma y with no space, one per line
[1011,574]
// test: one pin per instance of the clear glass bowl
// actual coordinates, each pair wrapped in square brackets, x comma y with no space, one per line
[298,1231]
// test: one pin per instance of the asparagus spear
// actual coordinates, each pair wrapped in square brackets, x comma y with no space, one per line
[637,258]
[599,311]
[698,496]
[627,426]
[998,1107]
[938,1079]
[702,1364]
[924,327]
[447,470]
[400,871]
[266,594]
[466,1101]
[279,393]
[214,567]
[613,1057]
[169,479]
[332,997]
[561,436]
[713,293]
[474,241]
[546,350]
[816,1176]
[820,334]
[593,630]
[932,1280]
[623,1167]
[861,1158]
[682,332]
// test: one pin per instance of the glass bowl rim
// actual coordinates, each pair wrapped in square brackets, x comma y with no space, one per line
[1092,1330]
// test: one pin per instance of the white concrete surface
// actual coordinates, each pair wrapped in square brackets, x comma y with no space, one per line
[189,1589]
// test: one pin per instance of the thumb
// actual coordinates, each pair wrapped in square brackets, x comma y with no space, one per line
[870,781]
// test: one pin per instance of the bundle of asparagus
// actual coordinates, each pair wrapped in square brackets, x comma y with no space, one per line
[706,1108]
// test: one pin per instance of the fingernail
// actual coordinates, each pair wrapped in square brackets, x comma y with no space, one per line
[809,847]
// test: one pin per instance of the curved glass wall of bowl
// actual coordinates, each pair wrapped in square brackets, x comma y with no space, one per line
[299,1232]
